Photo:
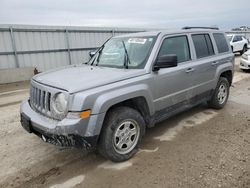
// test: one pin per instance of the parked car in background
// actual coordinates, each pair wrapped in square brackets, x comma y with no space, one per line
[245,61]
[238,43]
[131,83]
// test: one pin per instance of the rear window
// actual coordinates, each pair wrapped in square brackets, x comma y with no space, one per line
[221,42]
[203,45]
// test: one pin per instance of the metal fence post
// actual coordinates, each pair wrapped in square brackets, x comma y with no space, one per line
[13,42]
[68,46]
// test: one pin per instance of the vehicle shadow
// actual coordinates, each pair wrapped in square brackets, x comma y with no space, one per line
[171,123]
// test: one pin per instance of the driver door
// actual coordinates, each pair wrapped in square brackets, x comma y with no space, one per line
[174,85]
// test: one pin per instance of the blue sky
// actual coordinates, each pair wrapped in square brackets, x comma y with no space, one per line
[126,13]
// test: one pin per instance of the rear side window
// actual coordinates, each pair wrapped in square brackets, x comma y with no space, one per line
[203,45]
[221,42]
[176,45]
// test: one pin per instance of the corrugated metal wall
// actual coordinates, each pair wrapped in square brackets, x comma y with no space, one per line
[47,47]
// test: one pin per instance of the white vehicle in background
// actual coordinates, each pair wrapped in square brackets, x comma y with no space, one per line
[245,61]
[238,43]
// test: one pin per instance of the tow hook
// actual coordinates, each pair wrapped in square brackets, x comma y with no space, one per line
[44,138]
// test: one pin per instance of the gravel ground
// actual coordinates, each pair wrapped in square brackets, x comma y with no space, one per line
[199,148]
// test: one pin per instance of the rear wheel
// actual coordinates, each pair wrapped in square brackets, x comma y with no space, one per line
[221,93]
[246,70]
[243,50]
[122,133]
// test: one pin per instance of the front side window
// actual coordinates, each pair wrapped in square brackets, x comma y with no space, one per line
[203,45]
[235,39]
[125,52]
[178,46]
[221,42]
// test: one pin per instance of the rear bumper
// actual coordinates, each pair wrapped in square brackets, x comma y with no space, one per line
[244,64]
[67,133]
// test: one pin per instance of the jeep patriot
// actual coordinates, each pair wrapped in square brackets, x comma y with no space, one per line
[130,83]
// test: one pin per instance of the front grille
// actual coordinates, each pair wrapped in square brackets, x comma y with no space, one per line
[40,100]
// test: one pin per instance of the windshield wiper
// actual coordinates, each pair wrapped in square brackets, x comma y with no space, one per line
[98,56]
[126,60]
[99,51]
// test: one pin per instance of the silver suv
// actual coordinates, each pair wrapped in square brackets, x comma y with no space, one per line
[131,83]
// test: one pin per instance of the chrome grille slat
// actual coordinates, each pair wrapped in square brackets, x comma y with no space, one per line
[49,99]
[43,100]
[39,97]
[46,102]
[34,94]
[35,97]
[40,100]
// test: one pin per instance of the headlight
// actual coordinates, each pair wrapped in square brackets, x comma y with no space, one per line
[244,56]
[60,103]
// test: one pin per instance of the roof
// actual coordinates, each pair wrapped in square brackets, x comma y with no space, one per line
[168,32]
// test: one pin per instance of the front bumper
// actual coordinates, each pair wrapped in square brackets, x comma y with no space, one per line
[78,133]
[244,64]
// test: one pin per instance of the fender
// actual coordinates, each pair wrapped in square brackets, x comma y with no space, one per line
[223,68]
[108,99]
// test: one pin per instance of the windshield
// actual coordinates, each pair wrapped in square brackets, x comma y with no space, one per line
[229,37]
[126,52]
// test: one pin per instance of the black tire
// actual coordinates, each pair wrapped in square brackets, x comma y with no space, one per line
[243,50]
[215,100]
[113,123]
[246,70]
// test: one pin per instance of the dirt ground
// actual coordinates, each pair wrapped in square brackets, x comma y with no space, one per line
[199,148]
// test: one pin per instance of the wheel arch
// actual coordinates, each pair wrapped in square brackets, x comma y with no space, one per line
[228,74]
[138,103]
[137,97]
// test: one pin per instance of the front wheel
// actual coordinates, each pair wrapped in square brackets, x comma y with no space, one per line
[220,95]
[122,133]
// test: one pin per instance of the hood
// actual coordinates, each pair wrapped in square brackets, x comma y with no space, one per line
[82,77]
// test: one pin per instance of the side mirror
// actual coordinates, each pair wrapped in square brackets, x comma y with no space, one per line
[165,61]
[92,53]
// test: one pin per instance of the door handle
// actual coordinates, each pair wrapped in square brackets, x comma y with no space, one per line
[215,63]
[189,70]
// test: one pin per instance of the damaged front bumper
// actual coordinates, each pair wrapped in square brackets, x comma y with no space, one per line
[65,133]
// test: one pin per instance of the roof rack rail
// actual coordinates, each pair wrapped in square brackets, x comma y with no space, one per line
[187,27]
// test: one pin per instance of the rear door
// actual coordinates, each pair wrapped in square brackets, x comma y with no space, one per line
[204,65]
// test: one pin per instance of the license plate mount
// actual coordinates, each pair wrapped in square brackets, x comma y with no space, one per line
[26,123]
